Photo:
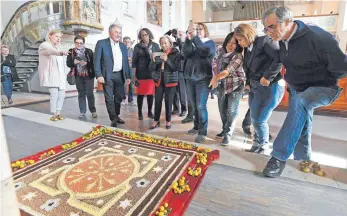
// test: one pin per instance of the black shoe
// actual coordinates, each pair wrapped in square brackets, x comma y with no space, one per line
[168,125]
[183,113]
[270,137]
[114,123]
[155,126]
[140,116]
[187,120]
[226,140]
[175,112]
[247,130]
[120,121]
[274,168]
[255,149]
[220,135]
[150,115]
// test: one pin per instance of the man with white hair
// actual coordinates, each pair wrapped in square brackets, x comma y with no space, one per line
[112,70]
[314,63]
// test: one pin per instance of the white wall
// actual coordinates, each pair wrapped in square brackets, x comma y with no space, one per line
[8,8]
[223,15]
[208,14]
[342,25]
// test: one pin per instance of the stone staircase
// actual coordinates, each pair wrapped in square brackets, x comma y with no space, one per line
[26,66]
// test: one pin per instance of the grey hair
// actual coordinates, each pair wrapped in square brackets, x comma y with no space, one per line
[113,25]
[282,13]
[167,37]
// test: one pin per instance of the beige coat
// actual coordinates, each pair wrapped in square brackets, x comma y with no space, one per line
[51,66]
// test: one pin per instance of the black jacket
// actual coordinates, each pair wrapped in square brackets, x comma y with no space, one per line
[263,60]
[313,58]
[171,67]
[199,58]
[10,61]
[142,59]
[90,64]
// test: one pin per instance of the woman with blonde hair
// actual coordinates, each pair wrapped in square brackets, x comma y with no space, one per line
[8,68]
[52,72]
[165,77]
[263,79]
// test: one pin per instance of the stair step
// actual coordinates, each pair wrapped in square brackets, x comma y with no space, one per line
[27,64]
[31,52]
[19,82]
[28,58]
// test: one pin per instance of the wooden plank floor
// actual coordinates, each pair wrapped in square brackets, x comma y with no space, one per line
[230,191]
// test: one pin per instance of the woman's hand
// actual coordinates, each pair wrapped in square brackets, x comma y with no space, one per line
[83,63]
[163,56]
[64,53]
[214,82]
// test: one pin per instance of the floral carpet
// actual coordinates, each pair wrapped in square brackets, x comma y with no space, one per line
[111,172]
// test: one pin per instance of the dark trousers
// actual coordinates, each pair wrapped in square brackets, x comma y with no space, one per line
[169,93]
[189,103]
[130,88]
[181,94]
[247,120]
[114,92]
[85,88]
[198,92]
[150,99]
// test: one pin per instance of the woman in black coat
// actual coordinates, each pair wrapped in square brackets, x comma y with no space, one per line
[165,77]
[141,72]
[80,60]
[8,63]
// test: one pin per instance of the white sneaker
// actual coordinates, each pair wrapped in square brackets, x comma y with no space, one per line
[82,115]
[132,103]
[123,103]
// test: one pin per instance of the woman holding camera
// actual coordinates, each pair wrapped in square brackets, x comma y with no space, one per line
[165,77]
[80,60]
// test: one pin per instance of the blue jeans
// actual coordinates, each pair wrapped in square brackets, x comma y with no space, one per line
[198,92]
[295,134]
[262,101]
[131,88]
[8,86]
[228,105]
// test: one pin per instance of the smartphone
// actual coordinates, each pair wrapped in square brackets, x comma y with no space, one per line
[156,54]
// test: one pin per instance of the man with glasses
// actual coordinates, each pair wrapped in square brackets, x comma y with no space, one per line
[314,63]
[112,69]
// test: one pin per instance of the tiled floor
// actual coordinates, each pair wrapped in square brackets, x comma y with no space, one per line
[233,185]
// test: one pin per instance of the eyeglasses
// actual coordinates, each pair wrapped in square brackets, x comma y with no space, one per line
[270,28]
[144,35]
[80,43]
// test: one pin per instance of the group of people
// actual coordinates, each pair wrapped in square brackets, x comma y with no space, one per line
[185,66]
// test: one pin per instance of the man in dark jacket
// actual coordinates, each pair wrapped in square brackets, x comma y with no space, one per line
[112,69]
[314,63]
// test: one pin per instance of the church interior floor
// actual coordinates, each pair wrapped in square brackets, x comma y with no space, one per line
[234,184]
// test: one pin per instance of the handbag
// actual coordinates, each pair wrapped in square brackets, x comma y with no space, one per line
[71,78]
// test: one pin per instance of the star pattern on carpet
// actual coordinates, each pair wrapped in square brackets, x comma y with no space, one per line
[117,146]
[157,169]
[74,214]
[29,196]
[125,203]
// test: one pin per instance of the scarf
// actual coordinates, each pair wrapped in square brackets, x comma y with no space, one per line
[80,55]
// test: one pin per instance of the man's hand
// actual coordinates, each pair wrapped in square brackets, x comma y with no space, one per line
[127,81]
[101,80]
[214,82]
[264,82]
